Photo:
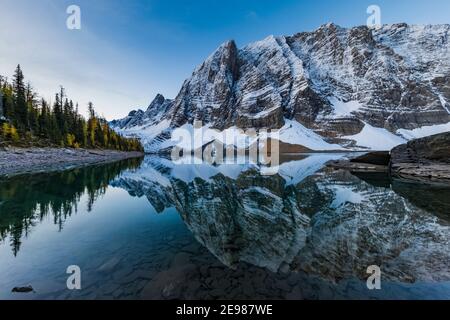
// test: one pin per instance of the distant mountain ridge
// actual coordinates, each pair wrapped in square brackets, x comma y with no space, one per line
[351,87]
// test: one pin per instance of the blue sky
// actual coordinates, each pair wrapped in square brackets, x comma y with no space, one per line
[127,51]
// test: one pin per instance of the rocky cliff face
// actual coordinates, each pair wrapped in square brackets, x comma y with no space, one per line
[347,85]
[430,150]
[426,159]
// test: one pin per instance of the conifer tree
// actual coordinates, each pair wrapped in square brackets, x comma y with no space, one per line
[27,120]
[20,106]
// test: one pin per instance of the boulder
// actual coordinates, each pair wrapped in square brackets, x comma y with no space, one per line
[26,289]
[371,162]
[380,158]
[426,159]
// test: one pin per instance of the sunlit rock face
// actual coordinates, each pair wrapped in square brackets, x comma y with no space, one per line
[333,81]
[302,219]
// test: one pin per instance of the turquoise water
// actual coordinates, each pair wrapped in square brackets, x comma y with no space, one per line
[152,229]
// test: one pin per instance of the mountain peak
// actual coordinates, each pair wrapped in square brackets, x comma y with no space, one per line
[329,26]
[228,45]
[157,101]
[226,49]
[134,113]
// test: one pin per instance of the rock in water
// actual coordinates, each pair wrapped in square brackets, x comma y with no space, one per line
[371,162]
[23,289]
[380,158]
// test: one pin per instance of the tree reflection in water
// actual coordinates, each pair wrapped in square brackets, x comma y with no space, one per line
[26,200]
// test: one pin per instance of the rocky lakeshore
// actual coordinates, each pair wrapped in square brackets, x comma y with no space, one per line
[369,162]
[424,160]
[15,161]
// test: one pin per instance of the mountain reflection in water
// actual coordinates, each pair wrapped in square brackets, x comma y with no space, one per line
[326,222]
[306,225]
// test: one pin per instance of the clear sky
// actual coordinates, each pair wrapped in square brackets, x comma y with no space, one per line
[127,51]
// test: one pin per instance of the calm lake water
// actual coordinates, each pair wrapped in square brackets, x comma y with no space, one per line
[152,229]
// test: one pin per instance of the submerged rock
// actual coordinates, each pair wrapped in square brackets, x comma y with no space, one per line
[27,289]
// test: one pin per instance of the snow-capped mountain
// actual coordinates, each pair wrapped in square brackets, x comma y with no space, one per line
[147,125]
[357,87]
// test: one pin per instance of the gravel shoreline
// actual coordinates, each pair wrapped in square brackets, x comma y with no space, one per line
[15,161]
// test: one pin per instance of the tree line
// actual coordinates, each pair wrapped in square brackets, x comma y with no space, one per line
[25,119]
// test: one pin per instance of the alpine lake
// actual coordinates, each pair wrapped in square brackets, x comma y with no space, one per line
[153,229]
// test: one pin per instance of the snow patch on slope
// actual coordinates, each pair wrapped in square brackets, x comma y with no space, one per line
[344,109]
[295,133]
[424,131]
[444,103]
[374,138]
